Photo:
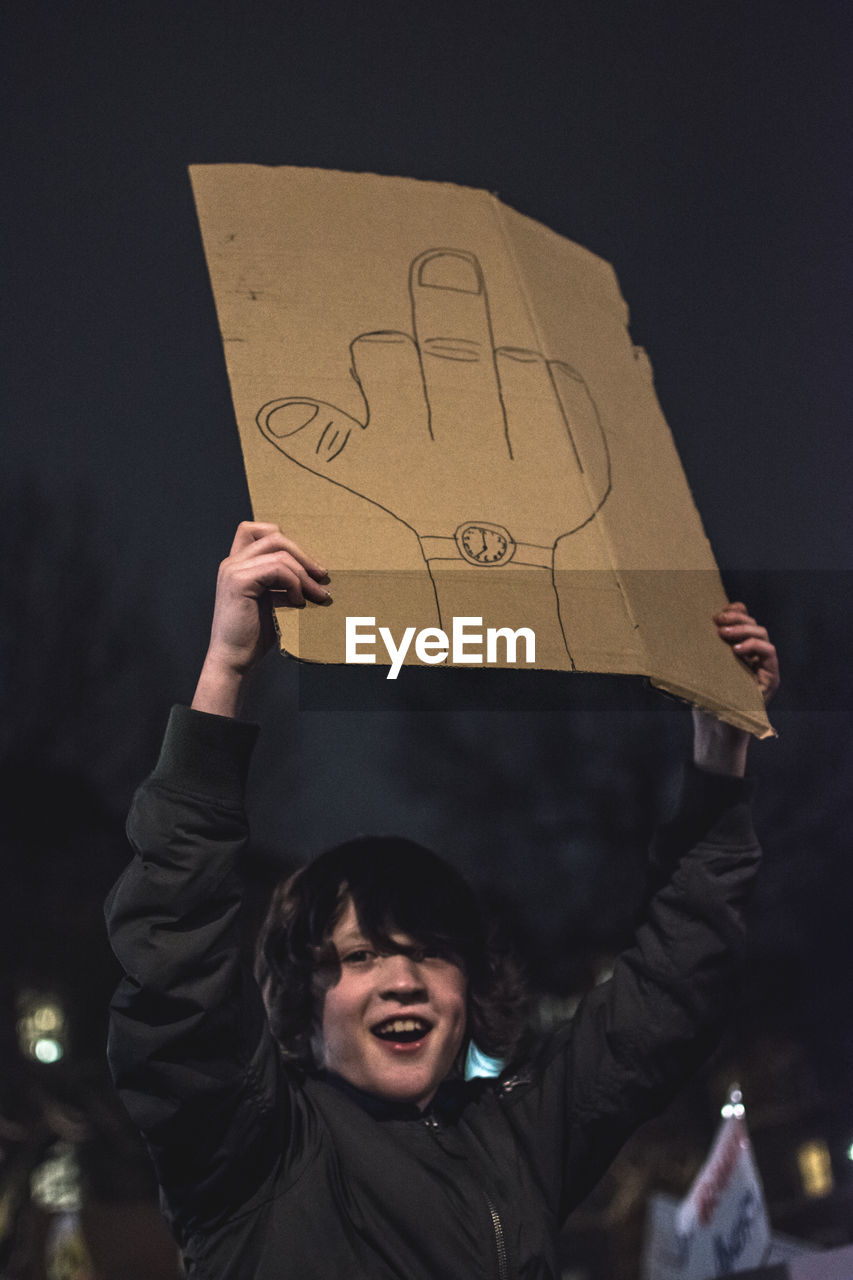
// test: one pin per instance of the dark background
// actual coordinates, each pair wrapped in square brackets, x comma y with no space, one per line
[704,150]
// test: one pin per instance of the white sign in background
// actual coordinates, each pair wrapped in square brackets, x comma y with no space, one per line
[721,1226]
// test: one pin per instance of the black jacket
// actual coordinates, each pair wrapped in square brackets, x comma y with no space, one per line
[270,1175]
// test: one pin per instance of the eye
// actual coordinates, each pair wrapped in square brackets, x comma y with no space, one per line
[360,955]
[432,952]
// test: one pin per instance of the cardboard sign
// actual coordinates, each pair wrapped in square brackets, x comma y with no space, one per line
[439,399]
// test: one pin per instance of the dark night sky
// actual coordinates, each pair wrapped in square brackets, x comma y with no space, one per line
[702,148]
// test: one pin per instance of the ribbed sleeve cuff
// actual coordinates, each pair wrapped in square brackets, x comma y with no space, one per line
[206,754]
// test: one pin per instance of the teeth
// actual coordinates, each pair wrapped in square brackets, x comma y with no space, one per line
[402,1029]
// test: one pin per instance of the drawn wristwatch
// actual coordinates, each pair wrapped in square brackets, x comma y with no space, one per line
[487,545]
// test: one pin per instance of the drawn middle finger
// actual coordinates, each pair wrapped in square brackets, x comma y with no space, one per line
[450,315]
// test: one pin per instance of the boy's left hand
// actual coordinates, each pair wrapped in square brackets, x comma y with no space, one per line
[752,644]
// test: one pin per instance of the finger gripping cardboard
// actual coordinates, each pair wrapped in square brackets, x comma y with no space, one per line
[440,400]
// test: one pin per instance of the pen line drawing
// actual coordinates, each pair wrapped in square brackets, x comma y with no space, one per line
[418,458]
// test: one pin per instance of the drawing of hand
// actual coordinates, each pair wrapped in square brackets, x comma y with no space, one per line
[489,454]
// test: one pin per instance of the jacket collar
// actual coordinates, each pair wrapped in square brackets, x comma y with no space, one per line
[448,1102]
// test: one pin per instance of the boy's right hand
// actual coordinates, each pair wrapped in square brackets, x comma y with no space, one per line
[261,560]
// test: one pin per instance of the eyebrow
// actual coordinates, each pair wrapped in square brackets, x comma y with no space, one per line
[352,935]
[358,937]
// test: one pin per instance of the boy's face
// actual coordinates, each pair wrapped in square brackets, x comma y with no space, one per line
[392,1024]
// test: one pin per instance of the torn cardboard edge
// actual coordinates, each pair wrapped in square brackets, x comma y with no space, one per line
[759,727]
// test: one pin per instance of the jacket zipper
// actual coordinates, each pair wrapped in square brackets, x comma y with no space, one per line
[497,1225]
[500,1243]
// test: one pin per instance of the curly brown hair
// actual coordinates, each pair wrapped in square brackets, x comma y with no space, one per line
[396,886]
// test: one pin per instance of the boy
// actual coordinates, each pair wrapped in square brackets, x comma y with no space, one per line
[332,1133]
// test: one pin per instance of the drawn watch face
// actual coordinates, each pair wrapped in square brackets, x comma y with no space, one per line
[481,543]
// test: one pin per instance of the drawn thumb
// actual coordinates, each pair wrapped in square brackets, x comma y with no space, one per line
[309,432]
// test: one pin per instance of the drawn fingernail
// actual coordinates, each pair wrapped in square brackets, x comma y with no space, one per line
[290,418]
[328,599]
[450,270]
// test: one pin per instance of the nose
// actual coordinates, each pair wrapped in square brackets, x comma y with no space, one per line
[402,979]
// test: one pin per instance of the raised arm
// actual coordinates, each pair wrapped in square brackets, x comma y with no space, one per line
[189,1045]
[637,1037]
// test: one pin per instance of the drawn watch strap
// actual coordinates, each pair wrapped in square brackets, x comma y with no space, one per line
[487,545]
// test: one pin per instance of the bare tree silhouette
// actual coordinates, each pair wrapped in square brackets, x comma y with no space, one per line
[82,701]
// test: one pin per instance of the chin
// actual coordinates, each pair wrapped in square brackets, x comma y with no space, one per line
[417,1086]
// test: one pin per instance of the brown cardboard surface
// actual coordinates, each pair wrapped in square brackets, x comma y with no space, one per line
[439,398]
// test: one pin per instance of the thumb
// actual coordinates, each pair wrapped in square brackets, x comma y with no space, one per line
[314,434]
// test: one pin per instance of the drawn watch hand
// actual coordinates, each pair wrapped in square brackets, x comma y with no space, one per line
[484,545]
[489,454]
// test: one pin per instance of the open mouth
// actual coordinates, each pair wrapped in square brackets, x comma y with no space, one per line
[402,1030]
